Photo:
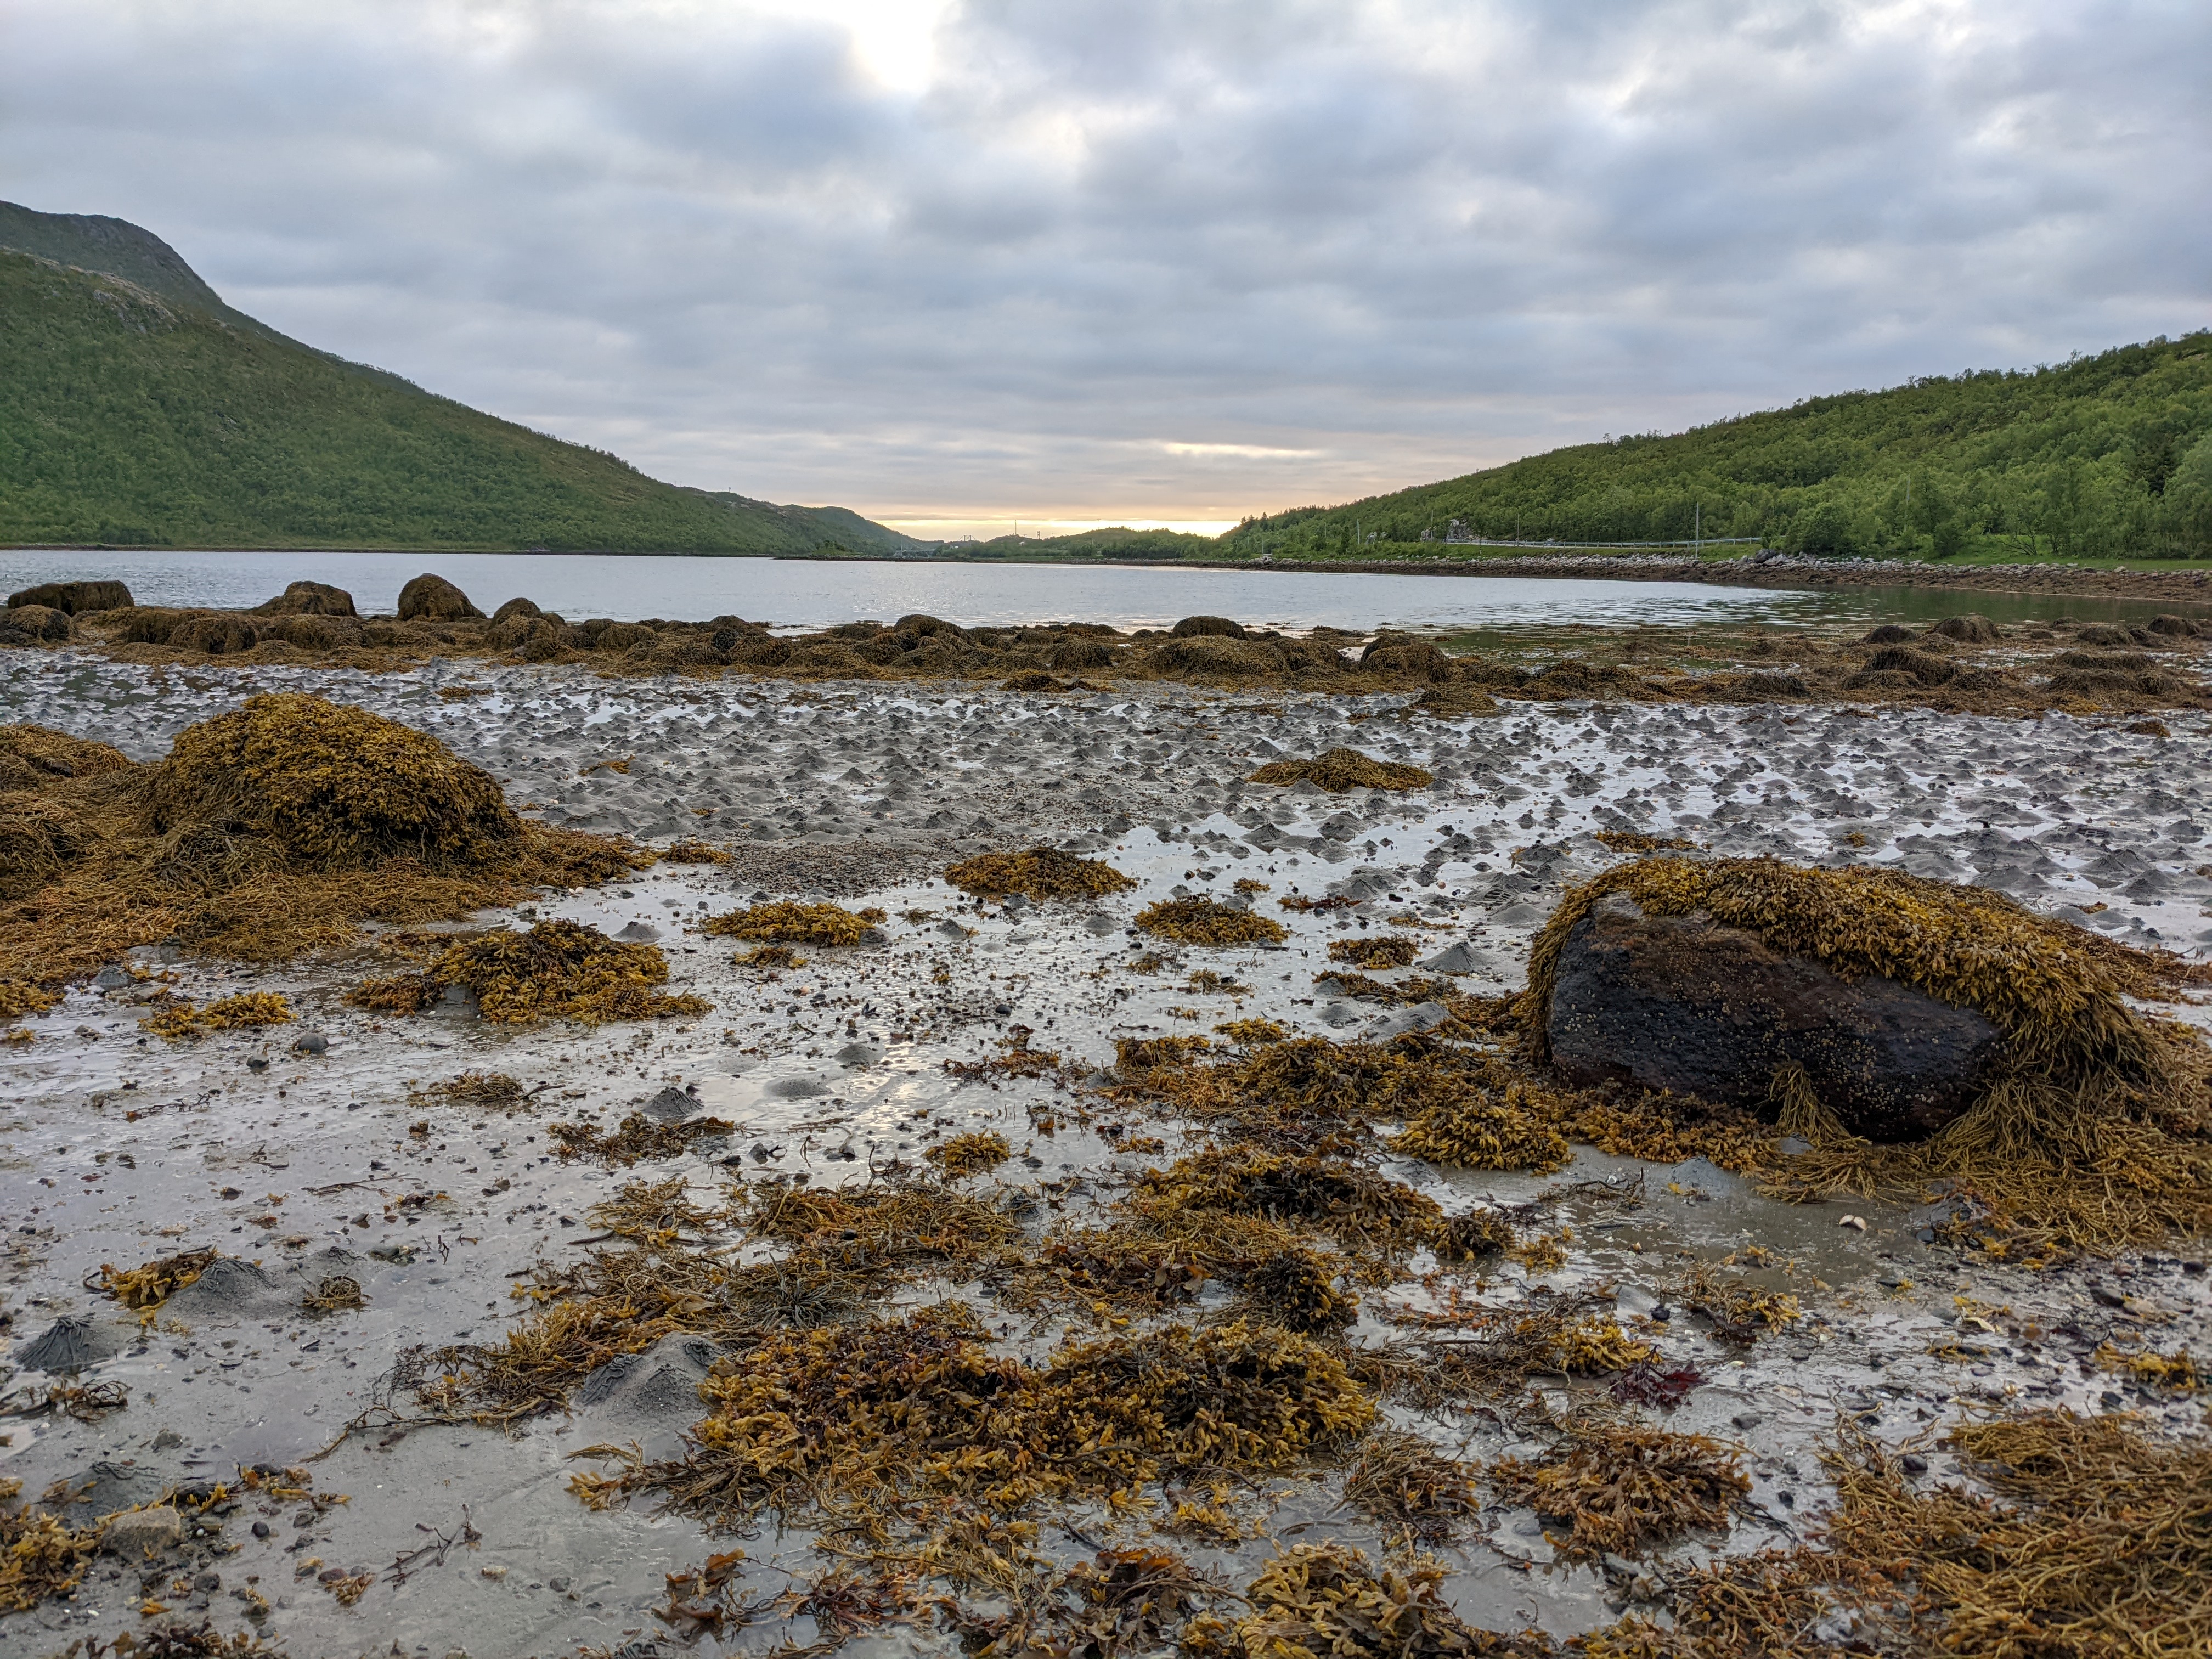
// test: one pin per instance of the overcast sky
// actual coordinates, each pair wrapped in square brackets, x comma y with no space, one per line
[965,266]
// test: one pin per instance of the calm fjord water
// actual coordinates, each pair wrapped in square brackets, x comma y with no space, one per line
[810,594]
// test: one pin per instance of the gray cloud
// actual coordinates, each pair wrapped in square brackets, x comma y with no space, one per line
[1125,257]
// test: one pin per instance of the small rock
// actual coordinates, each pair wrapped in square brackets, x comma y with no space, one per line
[639,933]
[136,1534]
[2105,1296]
[1913,1463]
[311,1043]
[111,978]
[261,1529]
[1747,1421]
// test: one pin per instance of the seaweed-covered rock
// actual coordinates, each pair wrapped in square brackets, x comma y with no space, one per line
[430,598]
[2178,627]
[547,638]
[1405,659]
[1681,1003]
[1968,628]
[73,598]
[1192,628]
[334,788]
[40,622]
[1073,656]
[39,840]
[1889,634]
[313,630]
[1924,666]
[305,598]
[516,606]
[764,651]
[218,632]
[918,625]
[33,755]
[1210,657]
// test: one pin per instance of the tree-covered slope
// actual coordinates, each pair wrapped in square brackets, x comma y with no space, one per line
[136,409]
[2101,456]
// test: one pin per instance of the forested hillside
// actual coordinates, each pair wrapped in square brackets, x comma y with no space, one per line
[2100,457]
[145,412]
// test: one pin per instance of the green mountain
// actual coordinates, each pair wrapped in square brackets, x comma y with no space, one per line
[2099,457]
[138,409]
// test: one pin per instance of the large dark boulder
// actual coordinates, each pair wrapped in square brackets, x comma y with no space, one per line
[1684,1004]
[433,598]
[74,598]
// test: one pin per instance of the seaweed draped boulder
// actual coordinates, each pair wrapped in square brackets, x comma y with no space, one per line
[71,599]
[307,598]
[1860,999]
[334,788]
[430,598]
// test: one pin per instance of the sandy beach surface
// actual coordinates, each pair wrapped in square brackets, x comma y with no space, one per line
[322,1147]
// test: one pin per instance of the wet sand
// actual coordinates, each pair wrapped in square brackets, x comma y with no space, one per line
[116,1147]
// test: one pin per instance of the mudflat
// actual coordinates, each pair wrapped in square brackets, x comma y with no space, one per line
[966,1257]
